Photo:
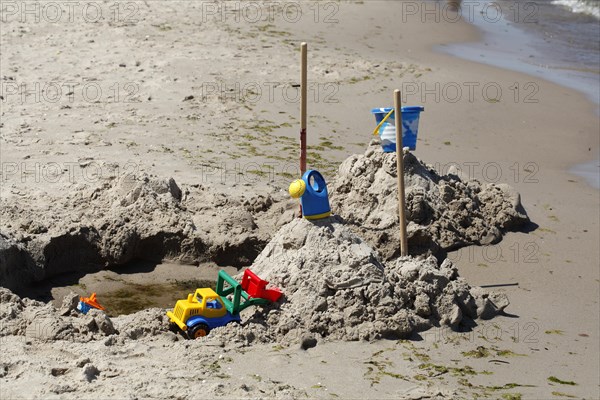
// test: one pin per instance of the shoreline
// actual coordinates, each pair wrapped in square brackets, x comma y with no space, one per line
[481,52]
[532,55]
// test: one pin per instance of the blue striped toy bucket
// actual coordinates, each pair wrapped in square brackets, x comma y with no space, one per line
[410,127]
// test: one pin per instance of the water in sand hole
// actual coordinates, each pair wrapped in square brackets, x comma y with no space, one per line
[137,286]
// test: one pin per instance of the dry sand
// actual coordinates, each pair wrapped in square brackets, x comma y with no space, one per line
[170,52]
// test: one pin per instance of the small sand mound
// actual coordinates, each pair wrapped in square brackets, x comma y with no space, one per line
[37,320]
[443,212]
[335,286]
[42,321]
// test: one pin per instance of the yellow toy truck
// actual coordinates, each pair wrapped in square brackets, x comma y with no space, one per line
[200,312]
[206,309]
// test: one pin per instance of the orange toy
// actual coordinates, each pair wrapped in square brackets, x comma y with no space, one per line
[86,303]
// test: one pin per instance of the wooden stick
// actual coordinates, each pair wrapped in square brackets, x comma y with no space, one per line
[400,170]
[303,108]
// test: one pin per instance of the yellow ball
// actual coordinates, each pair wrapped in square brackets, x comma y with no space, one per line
[297,188]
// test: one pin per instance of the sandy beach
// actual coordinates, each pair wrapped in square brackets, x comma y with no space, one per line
[207,94]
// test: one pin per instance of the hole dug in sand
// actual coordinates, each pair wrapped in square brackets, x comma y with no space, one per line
[130,288]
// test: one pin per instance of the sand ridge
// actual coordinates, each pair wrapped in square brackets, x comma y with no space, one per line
[443,212]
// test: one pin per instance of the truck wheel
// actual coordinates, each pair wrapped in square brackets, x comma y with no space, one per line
[173,327]
[198,331]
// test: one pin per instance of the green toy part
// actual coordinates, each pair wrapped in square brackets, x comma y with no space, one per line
[241,299]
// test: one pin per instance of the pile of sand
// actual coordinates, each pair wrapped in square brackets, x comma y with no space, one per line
[444,212]
[134,217]
[336,286]
[43,321]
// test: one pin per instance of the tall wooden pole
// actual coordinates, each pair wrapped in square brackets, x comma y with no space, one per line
[400,170]
[303,95]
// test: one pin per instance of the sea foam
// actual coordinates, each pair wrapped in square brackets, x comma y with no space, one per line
[581,6]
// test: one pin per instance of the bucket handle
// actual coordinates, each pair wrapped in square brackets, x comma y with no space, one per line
[376,131]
